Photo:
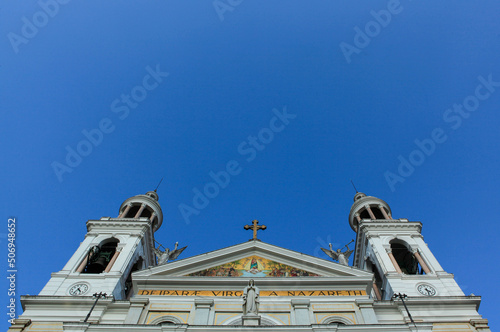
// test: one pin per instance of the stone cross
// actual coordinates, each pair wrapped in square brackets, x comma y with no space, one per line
[255,228]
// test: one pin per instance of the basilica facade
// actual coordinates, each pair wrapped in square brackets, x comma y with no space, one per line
[119,280]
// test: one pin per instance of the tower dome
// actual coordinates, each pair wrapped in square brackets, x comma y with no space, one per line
[141,206]
[368,207]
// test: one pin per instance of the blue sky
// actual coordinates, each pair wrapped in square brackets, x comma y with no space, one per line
[407,108]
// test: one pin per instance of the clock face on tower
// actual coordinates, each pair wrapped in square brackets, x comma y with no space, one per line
[426,289]
[78,289]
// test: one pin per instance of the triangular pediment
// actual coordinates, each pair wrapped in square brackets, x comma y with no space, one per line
[252,259]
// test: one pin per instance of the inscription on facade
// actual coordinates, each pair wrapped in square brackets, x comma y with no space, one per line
[239,293]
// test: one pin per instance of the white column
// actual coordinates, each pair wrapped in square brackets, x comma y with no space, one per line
[370,212]
[384,212]
[124,213]
[138,214]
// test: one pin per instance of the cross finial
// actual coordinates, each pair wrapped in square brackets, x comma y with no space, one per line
[255,228]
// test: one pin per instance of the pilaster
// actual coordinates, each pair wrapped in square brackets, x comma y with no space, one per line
[137,306]
[367,311]
[202,313]
[301,309]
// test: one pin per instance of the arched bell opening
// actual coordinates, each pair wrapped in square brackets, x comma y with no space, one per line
[364,214]
[405,259]
[378,214]
[128,282]
[99,257]
[137,210]
[146,213]
[132,211]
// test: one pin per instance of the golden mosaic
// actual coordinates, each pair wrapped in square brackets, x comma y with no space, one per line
[253,266]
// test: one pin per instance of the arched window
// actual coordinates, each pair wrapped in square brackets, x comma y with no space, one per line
[99,256]
[338,320]
[166,320]
[264,321]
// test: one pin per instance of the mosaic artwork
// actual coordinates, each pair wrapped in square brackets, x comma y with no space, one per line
[253,266]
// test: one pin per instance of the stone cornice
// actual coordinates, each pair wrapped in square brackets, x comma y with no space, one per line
[76,326]
[429,301]
[222,283]
[200,262]
[420,277]
[58,301]
[395,224]
[114,224]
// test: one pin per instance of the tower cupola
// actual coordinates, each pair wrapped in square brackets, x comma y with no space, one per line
[368,207]
[143,206]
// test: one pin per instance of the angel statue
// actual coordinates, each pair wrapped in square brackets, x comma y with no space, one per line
[167,255]
[342,257]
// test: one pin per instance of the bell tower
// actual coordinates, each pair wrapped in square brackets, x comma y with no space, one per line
[395,252]
[113,248]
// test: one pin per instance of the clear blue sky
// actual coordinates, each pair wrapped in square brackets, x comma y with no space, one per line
[361,101]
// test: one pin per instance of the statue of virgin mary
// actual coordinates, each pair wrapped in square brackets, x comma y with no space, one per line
[251,299]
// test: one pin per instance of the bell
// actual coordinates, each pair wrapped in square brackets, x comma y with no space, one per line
[98,265]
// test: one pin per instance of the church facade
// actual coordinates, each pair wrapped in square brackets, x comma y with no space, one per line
[117,280]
